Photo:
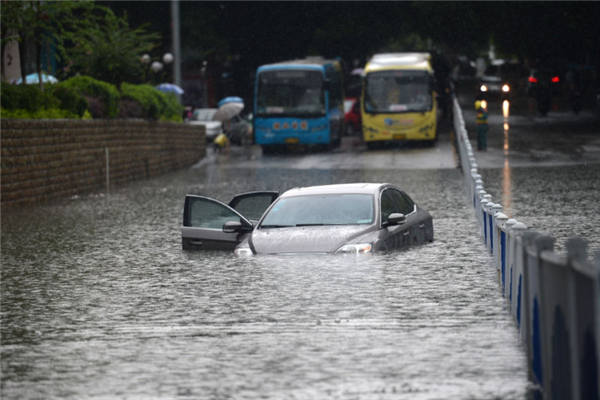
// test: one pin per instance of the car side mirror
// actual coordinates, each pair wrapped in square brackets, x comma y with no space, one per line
[235,227]
[396,219]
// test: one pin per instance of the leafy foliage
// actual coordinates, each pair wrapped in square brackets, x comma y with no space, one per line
[50,113]
[92,88]
[112,54]
[154,104]
[86,98]
[70,99]
[144,95]
[93,40]
[26,97]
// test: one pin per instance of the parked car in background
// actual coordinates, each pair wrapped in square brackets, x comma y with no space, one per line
[204,116]
[331,219]
[352,117]
[502,80]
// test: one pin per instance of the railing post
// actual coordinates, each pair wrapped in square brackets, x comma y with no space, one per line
[495,210]
[480,194]
[577,324]
[487,215]
[482,217]
[510,272]
[500,256]
[596,314]
[478,186]
[510,253]
[536,340]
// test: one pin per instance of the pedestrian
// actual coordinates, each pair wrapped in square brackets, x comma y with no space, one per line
[482,125]
[222,143]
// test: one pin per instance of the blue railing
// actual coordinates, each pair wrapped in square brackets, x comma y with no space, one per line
[554,299]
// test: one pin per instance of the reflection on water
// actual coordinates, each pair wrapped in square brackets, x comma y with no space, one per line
[99,301]
[506,182]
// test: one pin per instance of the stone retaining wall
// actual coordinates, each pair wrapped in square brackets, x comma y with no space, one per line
[43,160]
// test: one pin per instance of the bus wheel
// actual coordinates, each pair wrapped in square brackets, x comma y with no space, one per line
[372,145]
[272,149]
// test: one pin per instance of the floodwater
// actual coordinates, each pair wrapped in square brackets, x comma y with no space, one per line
[100,302]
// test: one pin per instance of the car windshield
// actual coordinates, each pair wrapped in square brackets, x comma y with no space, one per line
[331,209]
[398,91]
[290,92]
[492,70]
[204,114]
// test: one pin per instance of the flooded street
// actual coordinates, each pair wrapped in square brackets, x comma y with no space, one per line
[100,302]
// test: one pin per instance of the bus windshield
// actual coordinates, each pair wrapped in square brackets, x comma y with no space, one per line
[398,91]
[290,92]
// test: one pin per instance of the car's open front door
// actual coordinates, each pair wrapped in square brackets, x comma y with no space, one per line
[203,219]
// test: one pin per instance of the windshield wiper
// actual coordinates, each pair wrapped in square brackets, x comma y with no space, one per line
[311,224]
[277,226]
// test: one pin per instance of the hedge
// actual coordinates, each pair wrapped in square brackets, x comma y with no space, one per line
[85,97]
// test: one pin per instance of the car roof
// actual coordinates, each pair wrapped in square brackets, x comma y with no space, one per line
[344,188]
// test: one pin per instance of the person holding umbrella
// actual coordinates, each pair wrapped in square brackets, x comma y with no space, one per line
[229,107]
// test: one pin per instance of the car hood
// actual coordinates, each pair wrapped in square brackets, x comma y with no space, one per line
[305,239]
[491,79]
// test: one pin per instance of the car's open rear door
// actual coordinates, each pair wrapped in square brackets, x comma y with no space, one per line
[253,204]
[203,219]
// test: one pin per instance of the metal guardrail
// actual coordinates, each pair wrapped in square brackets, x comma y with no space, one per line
[554,299]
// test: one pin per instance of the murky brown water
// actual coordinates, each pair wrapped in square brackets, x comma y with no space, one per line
[99,301]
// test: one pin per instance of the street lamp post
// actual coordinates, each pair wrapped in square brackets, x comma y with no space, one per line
[156,66]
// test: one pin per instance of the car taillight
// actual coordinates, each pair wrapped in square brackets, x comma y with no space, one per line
[532,79]
[556,79]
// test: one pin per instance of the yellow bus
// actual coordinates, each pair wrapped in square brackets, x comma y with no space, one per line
[398,100]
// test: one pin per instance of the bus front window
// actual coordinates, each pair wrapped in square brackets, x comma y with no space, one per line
[398,91]
[290,92]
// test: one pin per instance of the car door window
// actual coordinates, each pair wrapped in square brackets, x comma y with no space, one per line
[387,205]
[207,213]
[394,201]
[252,205]
[404,206]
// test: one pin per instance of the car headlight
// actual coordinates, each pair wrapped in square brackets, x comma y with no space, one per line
[505,88]
[359,248]
[243,252]
[483,88]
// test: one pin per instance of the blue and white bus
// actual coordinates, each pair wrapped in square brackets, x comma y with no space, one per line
[299,102]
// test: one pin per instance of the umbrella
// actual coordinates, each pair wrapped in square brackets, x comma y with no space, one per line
[169,88]
[34,78]
[232,99]
[229,107]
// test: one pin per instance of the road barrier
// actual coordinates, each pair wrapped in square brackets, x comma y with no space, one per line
[554,299]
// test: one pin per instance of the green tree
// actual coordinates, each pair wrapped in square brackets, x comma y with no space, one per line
[113,53]
[39,22]
[89,36]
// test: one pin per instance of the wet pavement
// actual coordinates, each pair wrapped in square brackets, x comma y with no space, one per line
[544,171]
[99,301]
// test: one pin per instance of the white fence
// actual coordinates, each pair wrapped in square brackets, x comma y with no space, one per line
[554,299]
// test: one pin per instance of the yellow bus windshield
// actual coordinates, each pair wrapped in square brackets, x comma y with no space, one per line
[399,91]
